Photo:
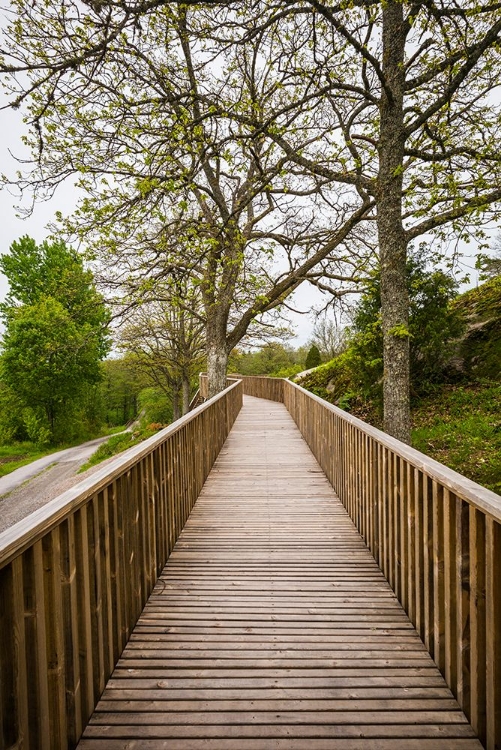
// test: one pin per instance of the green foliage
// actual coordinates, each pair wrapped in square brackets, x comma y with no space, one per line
[55,336]
[490,265]
[434,326]
[118,390]
[313,358]
[331,380]
[36,429]
[273,359]
[53,270]
[154,406]
[14,456]
[121,442]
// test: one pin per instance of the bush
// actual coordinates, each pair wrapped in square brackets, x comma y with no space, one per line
[313,358]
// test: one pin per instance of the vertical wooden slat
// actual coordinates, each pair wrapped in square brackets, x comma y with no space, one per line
[419,559]
[411,544]
[116,590]
[437,500]
[493,634]
[71,630]
[428,581]
[451,589]
[478,654]
[42,658]
[463,606]
[402,516]
[36,655]
[55,639]
[106,582]
[18,644]
[395,512]
[84,620]
[10,727]
[96,598]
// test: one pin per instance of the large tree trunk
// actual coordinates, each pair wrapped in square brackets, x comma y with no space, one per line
[217,362]
[186,395]
[392,242]
[176,411]
[217,353]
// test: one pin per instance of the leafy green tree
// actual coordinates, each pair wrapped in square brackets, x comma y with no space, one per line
[119,391]
[55,336]
[434,325]
[489,265]
[270,359]
[313,358]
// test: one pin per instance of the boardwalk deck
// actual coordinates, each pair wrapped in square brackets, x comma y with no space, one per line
[272,627]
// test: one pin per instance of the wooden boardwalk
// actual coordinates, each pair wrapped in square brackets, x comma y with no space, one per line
[271,627]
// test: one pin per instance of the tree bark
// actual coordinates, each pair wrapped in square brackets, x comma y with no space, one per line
[217,362]
[176,411]
[186,395]
[217,352]
[392,241]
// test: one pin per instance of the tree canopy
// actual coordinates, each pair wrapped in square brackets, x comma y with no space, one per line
[55,332]
[260,129]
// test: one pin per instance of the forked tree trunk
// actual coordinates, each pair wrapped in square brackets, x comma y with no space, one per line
[391,236]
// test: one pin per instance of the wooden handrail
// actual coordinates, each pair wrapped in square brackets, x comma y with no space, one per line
[435,534]
[76,574]
[259,386]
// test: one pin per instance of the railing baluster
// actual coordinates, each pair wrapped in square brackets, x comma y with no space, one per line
[493,633]
[450,587]
[463,644]
[478,654]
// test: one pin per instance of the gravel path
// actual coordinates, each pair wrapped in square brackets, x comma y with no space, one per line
[45,486]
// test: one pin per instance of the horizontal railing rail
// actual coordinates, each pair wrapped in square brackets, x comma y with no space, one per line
[435,534]
[76,574]
[259,386]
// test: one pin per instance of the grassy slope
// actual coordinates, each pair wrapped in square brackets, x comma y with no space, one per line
[458,424]
[119,443]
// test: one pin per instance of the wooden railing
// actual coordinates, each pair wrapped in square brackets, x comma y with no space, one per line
[435,534]
[254,385]
[75,575]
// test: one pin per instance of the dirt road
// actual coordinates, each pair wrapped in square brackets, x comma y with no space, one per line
[33,485]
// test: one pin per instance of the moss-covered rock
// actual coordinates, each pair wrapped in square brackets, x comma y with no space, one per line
[479,351]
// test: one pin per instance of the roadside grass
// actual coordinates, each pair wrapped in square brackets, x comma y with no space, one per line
[118,443]
[15,455]
[460,426]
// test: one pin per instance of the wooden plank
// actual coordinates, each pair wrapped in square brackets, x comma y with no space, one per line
[478,635]
[271,619]
[493,633]
[55,638]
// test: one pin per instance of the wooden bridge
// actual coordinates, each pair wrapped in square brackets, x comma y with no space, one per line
[353,603]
